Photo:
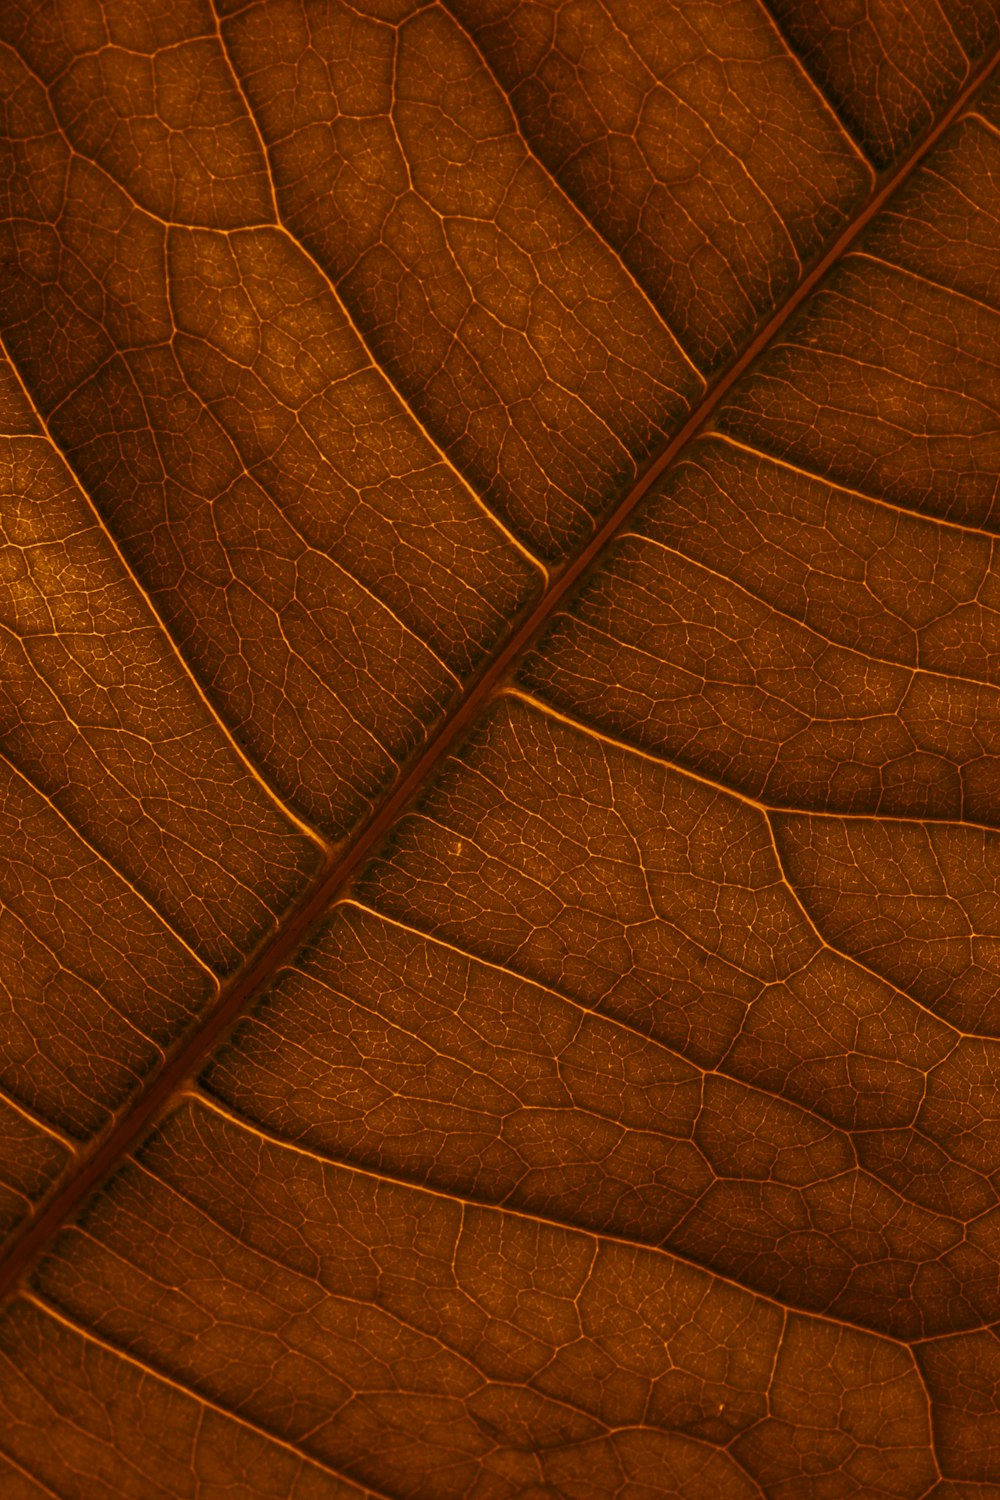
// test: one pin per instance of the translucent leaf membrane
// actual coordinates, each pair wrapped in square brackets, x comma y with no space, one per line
[420,1345]
[314,356]
[324,570]
[628,1127]
[143,856]
[887,68]
[692,140]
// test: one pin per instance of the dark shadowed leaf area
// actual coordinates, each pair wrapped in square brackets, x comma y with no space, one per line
[500,750]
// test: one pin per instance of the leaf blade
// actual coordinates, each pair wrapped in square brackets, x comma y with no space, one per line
[762,1457]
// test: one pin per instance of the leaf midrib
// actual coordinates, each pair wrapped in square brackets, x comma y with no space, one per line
[339,868]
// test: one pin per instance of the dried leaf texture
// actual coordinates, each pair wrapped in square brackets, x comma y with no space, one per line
[142,856]
[689,136]
[887,67]
[628,1128]
[312,354]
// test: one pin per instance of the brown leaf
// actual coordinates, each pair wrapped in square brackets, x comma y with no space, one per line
[500,611]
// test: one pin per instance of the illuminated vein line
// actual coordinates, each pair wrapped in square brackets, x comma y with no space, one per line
[34,1118]
[565,196]
[938,286]
[284,809]
[927,518]
[459,1200]
[594,1012]
[58,1315]
[80,837]
[767,809]
[232,443]
[276,225]
[376,364]
[974,114]
[442,456]
[32,1478]
[785,43]
[912,670]
[342,865]
[398,1317]
[584,1012]
[439,453]
[762,810]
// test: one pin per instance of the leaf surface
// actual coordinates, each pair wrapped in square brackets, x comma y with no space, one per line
[601,874]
